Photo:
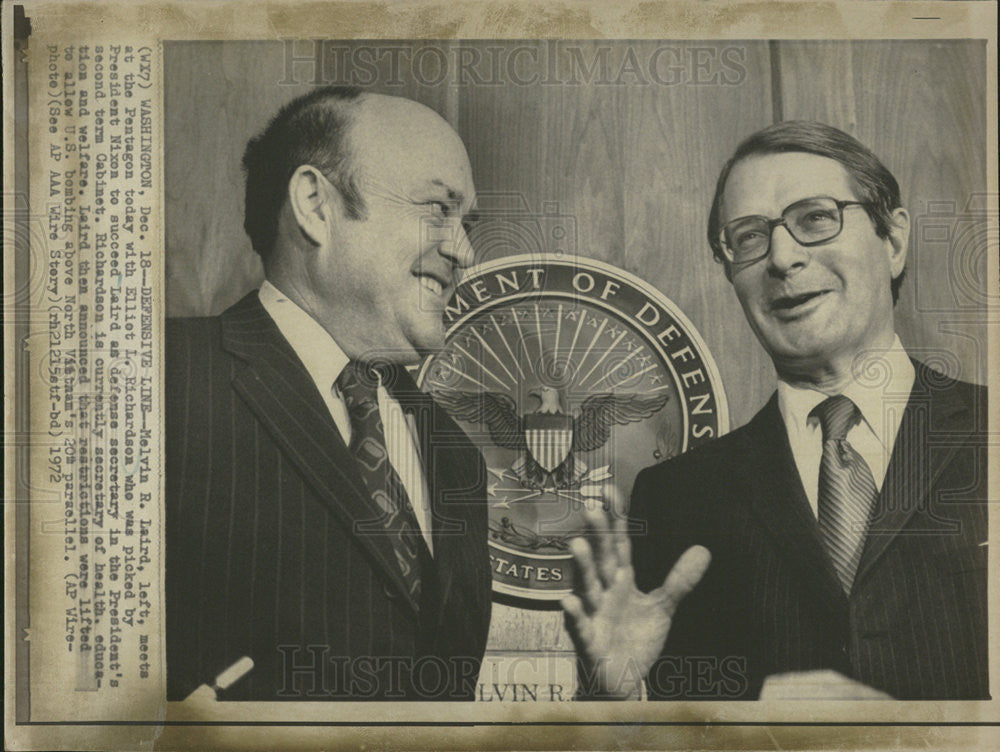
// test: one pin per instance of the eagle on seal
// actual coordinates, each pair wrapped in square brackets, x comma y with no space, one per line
[548,436]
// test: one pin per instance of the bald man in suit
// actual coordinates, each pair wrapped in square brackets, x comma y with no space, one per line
[324,517]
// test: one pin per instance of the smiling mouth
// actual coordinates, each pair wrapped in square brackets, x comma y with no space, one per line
[790,303]
[432,285]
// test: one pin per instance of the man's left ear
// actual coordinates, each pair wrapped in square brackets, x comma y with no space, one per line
[308,198]
[898,241]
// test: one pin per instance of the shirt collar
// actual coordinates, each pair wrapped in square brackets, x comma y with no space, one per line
[880,388]
[318,351]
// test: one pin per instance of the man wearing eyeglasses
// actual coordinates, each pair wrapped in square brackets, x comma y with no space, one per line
[835,545]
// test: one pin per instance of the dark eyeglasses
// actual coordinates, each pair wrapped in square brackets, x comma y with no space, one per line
[810,221]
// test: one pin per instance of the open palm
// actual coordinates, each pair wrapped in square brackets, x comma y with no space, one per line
[619,631]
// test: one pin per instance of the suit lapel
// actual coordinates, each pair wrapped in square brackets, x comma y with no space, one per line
[779,500]
[913,466]
[280,392]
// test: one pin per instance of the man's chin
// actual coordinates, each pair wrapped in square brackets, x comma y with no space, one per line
[798,334]
[405,352]
[802,359]
[793,340]
[426,343]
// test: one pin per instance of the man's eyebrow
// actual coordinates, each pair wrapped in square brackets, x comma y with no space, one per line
[453,194]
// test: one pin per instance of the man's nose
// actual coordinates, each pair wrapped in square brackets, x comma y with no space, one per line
[457,247]
[786,252]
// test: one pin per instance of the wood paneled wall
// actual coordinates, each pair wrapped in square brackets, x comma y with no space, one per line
[627,154]
[635,166]
[625,149]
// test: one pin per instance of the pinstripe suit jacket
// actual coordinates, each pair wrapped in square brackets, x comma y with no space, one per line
[263,557]
[914,624]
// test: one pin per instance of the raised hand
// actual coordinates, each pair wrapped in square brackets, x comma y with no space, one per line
[619,631]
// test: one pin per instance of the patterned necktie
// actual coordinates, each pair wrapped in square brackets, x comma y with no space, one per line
[847,489]
[357,384]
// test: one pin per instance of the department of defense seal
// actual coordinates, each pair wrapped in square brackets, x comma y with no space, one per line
[571,376]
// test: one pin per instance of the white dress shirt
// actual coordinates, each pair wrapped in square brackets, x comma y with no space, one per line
[880,389]
[324,360]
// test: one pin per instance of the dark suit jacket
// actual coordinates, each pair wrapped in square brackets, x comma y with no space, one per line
[915,622]
[263,558]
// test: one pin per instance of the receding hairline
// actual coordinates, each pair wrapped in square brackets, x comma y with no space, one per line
[409,127]
[397,117]
[368,101]
[364,110]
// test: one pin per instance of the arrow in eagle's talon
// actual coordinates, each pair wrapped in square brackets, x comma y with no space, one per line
[597,474]
[501,473]
[517,489]
[531,495]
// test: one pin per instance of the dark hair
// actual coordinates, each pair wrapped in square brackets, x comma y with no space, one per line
[311,129]
[873,183]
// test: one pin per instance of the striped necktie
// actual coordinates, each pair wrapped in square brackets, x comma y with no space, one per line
[847,489]
[357,384]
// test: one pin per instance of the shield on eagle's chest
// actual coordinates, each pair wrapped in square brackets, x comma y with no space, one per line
[549,438]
